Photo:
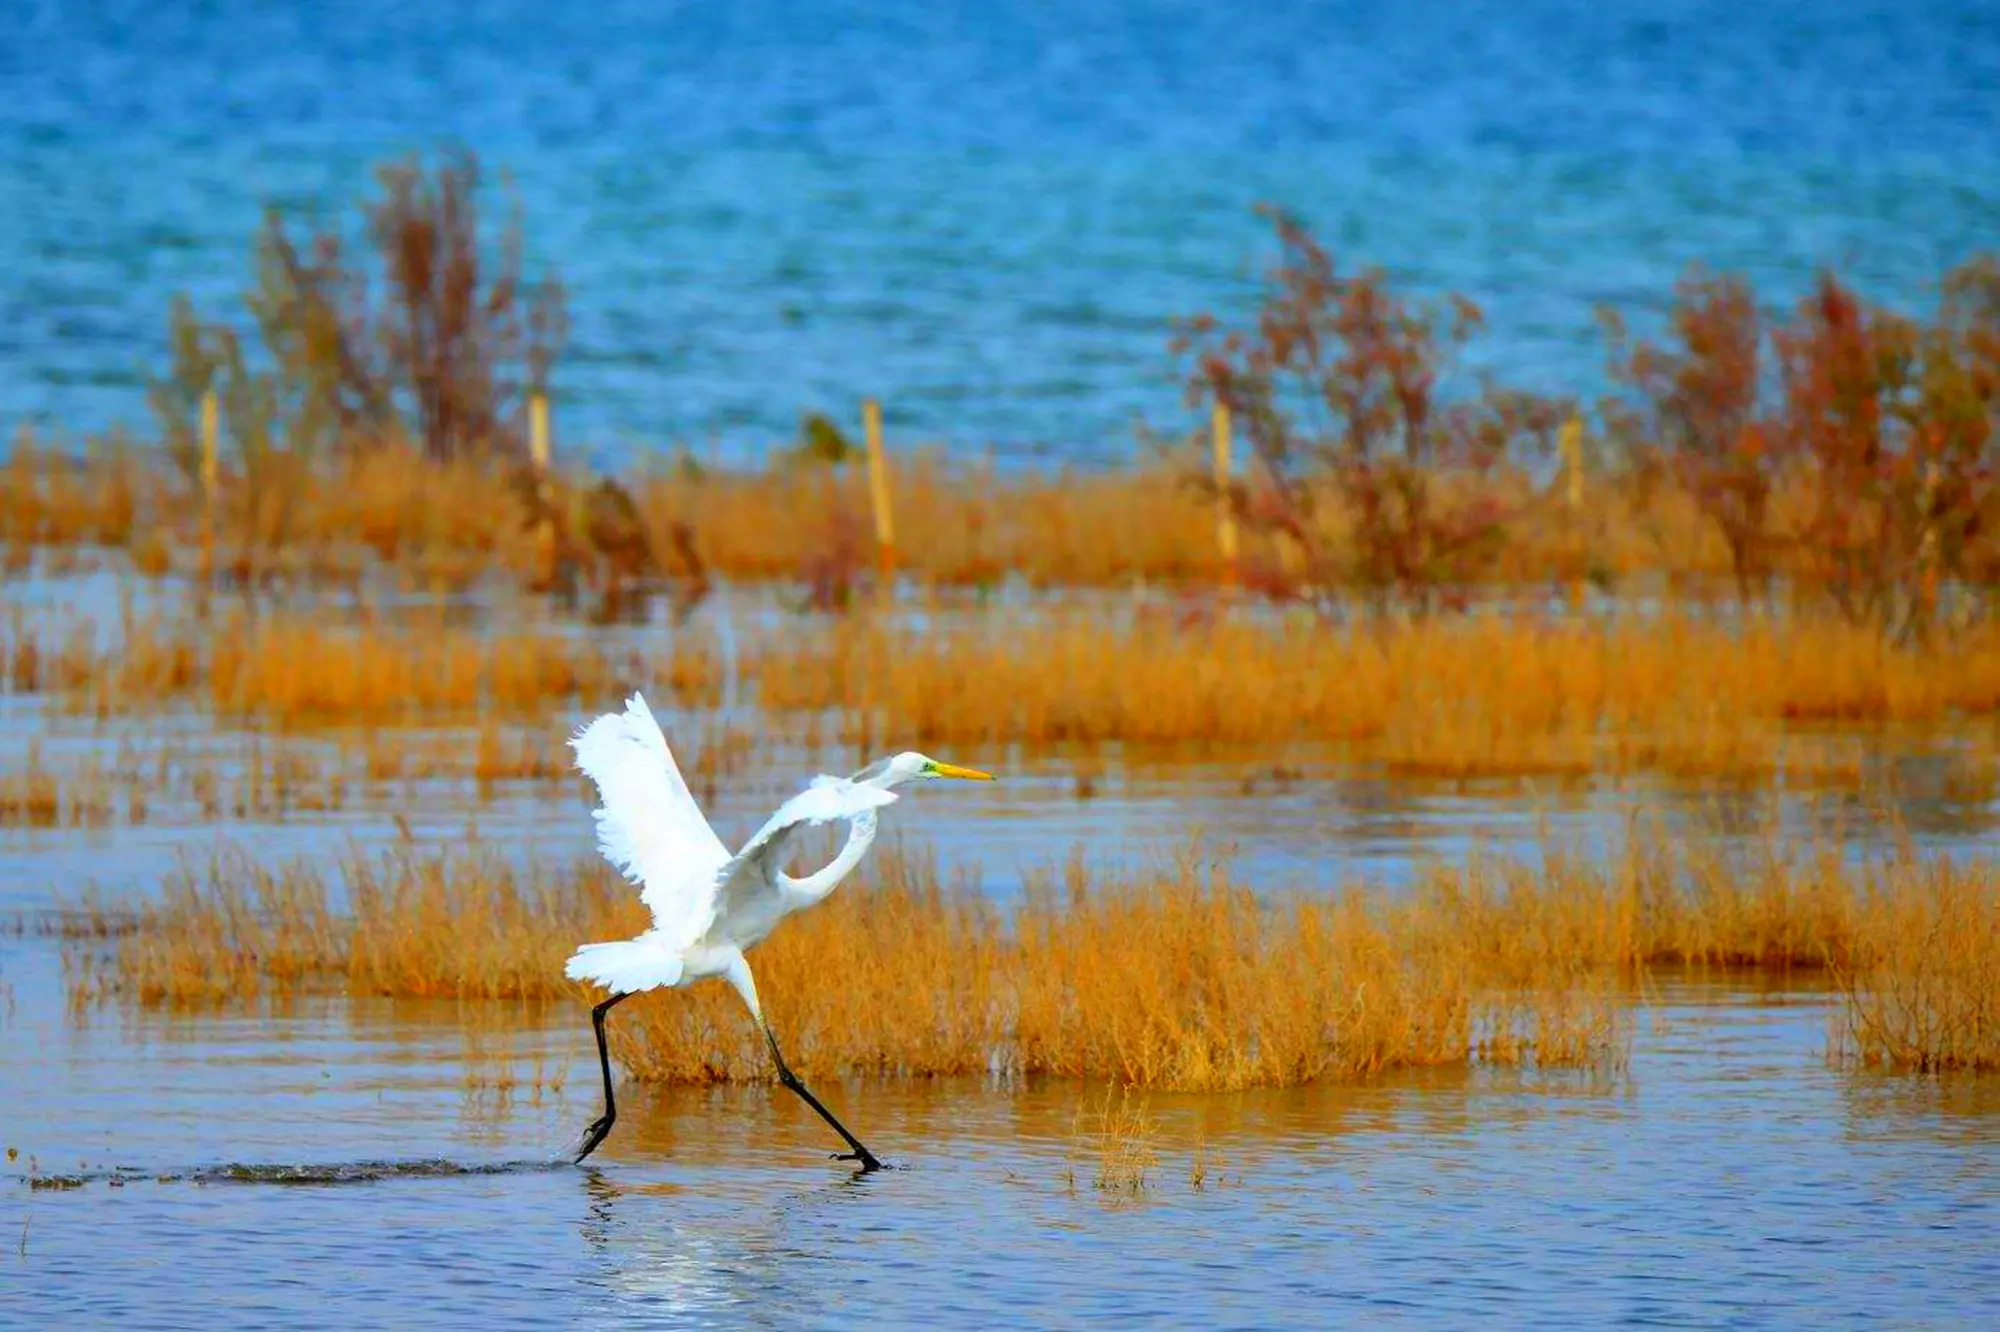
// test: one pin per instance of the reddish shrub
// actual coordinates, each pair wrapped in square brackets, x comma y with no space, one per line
[1334,385]
[1696,415]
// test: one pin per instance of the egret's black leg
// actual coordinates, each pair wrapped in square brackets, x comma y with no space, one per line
[597,1131]
[790,1079]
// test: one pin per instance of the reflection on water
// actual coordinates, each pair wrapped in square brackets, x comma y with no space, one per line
[1329,824]
[1290,815]
[1728,1174]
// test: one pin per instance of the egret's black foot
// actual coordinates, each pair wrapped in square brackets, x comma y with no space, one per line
[863,1158]
[592,1136]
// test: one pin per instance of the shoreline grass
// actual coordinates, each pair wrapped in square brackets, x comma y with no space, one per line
[273,777]
[1180,979]
[1755,698]
[300,670]
[448,524]
[1925,997]
[1491,696]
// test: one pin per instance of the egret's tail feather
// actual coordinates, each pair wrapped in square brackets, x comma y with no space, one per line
[625,967]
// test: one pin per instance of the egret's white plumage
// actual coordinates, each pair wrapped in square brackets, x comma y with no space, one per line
[707,905]
[705,902]
[649,825]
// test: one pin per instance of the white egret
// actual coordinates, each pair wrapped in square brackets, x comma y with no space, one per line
[709,906]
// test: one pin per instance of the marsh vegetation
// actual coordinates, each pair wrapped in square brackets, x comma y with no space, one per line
[1765,559]
[1178,979]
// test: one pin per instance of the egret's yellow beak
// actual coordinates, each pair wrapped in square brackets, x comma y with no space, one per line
[963,774]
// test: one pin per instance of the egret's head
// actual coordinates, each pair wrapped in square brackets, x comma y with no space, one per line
[910,766]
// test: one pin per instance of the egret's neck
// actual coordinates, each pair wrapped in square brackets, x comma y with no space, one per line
[860,836]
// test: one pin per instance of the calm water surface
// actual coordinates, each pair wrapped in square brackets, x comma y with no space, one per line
[356,1162]
[1729,1178]
[1291,816]
[1726,1176]
[986,215]
[988,219]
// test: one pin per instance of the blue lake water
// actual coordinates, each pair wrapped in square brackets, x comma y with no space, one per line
[1729,1178]
[985,216]
[336,1160]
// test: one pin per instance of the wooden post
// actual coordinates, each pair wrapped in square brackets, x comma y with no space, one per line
[211,476]
[211,445]
[540,453]
[878,490]
[538,429]
[1570,442]
[1225,509]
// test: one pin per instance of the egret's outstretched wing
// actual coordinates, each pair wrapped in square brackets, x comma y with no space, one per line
[649,826]
[825,800]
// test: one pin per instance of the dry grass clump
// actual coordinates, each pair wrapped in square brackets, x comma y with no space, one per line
[298,519]
[1121,1139]
[1487,695]
[1922,991]
[450,523]
[297,669]
[29,796]
[226,929]
[1190,982]
[408,510]
[413,925]
[34,796]
[892,976]
[1182,980]
[955,525]
[1046,678]
[48,497]
[294,670]
[1491,695]
[89,795]
[273,777]
[1658,901]
[1178,979]
[473,928]
[442,524]
[151,662]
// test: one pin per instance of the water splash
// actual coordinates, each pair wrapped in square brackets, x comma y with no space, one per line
[316,1173]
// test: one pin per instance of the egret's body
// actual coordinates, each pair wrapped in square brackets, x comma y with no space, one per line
[709,906]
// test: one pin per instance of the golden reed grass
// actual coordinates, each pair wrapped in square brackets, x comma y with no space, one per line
[298,669]
[955,526]
[1461,698]
[1924,993]
[265,776]
[1491,695]
[446,524]
[449,522]
[413,925]
[1121,1137]
[48,497]
[1179,979]
[37,796]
